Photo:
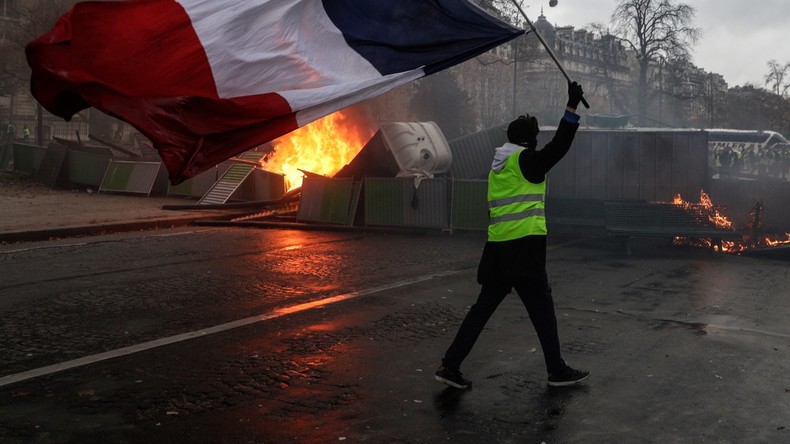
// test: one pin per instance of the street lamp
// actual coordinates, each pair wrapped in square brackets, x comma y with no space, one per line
[661,61]
[710,82]
[760,114]
[515,76]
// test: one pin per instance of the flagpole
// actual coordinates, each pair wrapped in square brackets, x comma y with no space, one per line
[548,48]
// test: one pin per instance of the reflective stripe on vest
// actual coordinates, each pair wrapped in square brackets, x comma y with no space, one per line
[518,216]
[515,199]
[516,206]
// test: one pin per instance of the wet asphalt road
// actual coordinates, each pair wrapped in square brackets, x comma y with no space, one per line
[188,338]
[93,295]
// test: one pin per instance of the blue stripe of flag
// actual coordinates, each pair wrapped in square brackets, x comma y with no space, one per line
[402,35]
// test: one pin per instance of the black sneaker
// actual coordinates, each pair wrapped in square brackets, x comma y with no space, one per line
[452,377]
[568,376]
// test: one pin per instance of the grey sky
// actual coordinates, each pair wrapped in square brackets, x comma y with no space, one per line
[738,37]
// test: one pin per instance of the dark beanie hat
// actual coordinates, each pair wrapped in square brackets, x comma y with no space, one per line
[523,130]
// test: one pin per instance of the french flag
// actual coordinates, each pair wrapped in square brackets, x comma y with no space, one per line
[205,80]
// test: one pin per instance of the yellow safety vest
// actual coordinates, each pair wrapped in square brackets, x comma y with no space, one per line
[515,205]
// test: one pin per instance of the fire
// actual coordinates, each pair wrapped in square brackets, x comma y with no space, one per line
[322,147]
[706,207]
[772,242]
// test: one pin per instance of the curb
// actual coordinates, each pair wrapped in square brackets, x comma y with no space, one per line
[325,227]
[95,230]
[224,220]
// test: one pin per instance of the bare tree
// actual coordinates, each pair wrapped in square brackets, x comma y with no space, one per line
[753,107]
[776,78]
[504,9]
[610,64]
[654,29]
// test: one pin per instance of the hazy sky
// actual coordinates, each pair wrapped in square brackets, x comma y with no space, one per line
[738,37]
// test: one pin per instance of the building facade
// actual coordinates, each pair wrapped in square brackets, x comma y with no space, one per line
[521,77]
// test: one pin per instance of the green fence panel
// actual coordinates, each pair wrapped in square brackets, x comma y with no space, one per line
[27,158]
[327,200]
[407,202]
[384,202]
[86,168]
[118,176]
[469,205]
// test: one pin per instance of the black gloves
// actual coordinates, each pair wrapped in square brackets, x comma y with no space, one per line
[575,94]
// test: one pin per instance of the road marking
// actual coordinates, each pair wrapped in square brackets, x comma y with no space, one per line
[79,362]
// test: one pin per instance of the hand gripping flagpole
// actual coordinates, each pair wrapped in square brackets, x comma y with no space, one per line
[548,48]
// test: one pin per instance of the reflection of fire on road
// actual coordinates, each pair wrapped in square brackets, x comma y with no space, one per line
[322,147]
[752,236]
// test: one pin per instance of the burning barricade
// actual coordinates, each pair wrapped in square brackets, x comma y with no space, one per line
[752,230]
[323,147]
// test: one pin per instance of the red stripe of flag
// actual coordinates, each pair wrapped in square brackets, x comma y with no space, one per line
[142,62]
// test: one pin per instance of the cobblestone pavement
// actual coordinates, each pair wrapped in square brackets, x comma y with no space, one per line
[32,211]
[684,345]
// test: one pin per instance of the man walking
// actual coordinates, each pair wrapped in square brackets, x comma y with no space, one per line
[514,256]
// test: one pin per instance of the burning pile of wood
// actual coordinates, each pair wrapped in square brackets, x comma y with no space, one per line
[706,212]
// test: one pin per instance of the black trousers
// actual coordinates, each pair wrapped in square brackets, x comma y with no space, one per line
[535,293]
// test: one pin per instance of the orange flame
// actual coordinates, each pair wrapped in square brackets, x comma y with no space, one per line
[322,147]
[706,207]
[720,220]
[772,242]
